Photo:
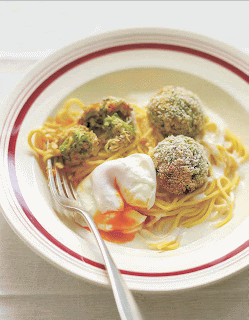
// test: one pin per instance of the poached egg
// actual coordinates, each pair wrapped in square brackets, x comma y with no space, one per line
[116,189]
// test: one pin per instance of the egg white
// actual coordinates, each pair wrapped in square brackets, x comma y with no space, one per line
[135,178]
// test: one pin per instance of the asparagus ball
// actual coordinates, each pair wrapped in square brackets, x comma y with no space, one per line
[181,164]
[175,110]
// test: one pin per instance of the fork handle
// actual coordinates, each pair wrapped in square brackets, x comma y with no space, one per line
[127,306]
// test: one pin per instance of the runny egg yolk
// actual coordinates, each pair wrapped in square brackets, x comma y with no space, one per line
[117,236]
[118,222]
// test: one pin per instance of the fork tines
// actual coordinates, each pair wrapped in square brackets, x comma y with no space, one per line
[58,179]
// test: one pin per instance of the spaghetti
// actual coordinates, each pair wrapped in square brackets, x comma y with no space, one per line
[214,200]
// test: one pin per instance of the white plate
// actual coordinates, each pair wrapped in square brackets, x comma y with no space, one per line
[131,64]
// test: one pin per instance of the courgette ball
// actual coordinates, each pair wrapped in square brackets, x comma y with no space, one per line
[181,164]
[176,111]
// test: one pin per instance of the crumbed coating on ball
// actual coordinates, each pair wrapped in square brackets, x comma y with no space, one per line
[181,164]
[175,110]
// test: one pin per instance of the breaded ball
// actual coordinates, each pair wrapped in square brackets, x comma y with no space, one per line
[181,164]
[175,110]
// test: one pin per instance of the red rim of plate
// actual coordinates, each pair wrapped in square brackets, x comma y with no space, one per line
[27,105]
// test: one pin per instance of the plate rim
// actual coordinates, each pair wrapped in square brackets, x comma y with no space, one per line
[55,54]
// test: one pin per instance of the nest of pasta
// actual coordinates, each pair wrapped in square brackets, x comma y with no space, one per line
[91,135]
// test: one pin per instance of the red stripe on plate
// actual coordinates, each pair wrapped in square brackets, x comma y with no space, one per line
[27,105]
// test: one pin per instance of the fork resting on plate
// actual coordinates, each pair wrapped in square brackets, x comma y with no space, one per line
[64,194]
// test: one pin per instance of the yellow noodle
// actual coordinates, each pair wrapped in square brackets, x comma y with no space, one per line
[185,210]
[228,217]
[199,219]
[74,100]
[95,162]
[173,246]
[162,244]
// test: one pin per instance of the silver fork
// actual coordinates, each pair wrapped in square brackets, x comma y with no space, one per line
[64,194]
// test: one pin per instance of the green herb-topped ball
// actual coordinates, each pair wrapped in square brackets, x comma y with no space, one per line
[120,134]
[175,110]
[78,144]
[113,121]
[181,164]
[94,115]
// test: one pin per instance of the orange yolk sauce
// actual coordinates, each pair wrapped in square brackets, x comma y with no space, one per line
[120,222]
